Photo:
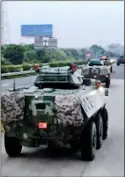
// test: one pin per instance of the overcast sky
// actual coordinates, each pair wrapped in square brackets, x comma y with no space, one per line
[75,24]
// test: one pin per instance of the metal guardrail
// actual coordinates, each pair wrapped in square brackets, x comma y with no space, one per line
[17,73]
[20,73]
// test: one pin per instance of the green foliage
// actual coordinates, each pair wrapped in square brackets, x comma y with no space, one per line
[67,52]
[28,47]
[2,50]
[30,55]
[26,55]
[10,68]
[5,62]
[82,53]
[97,50]
[19,54]
[67,63]
[59,64]
[14,53]
[26,67]
[46,55]
[41,55]
[74,52]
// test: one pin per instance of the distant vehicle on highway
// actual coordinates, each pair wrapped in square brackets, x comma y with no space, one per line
[101,73]
[103,57]
[120,60]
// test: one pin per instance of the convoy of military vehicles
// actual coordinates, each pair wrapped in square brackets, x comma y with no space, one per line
[66,105]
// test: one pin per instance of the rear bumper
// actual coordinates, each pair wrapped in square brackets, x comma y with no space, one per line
[103,79]
[120,62]
[31,138]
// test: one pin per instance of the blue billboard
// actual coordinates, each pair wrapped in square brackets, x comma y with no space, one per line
[37,30]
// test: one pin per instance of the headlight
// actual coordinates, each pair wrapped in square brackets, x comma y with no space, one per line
[101,88]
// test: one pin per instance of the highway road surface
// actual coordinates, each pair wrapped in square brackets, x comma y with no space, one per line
[109,159]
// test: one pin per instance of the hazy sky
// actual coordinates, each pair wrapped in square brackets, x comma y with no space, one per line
[75,24]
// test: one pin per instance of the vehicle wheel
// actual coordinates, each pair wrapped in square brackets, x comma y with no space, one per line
[104,115]
[107,83]
[88,145]
[12,146]
[99,130]
[111,69]
[106,92]
[118,64]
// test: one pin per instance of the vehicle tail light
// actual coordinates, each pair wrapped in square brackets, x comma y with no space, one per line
[98,84]
[42,125]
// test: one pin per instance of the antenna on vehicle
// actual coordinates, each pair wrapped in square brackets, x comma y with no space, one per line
[14,85]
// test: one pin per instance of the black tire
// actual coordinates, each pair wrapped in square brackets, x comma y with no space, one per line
[107,83]
[99,130]
[12,146]
[106,92]
[111,69]
[88,142]
[104,115]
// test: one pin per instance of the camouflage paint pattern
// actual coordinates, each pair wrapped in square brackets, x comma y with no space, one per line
[68,110]
[64,109]
[12,107]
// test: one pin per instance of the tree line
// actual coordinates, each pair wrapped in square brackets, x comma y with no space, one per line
[13,54]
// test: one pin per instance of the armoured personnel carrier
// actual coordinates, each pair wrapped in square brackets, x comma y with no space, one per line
[59,108]
[101,73]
